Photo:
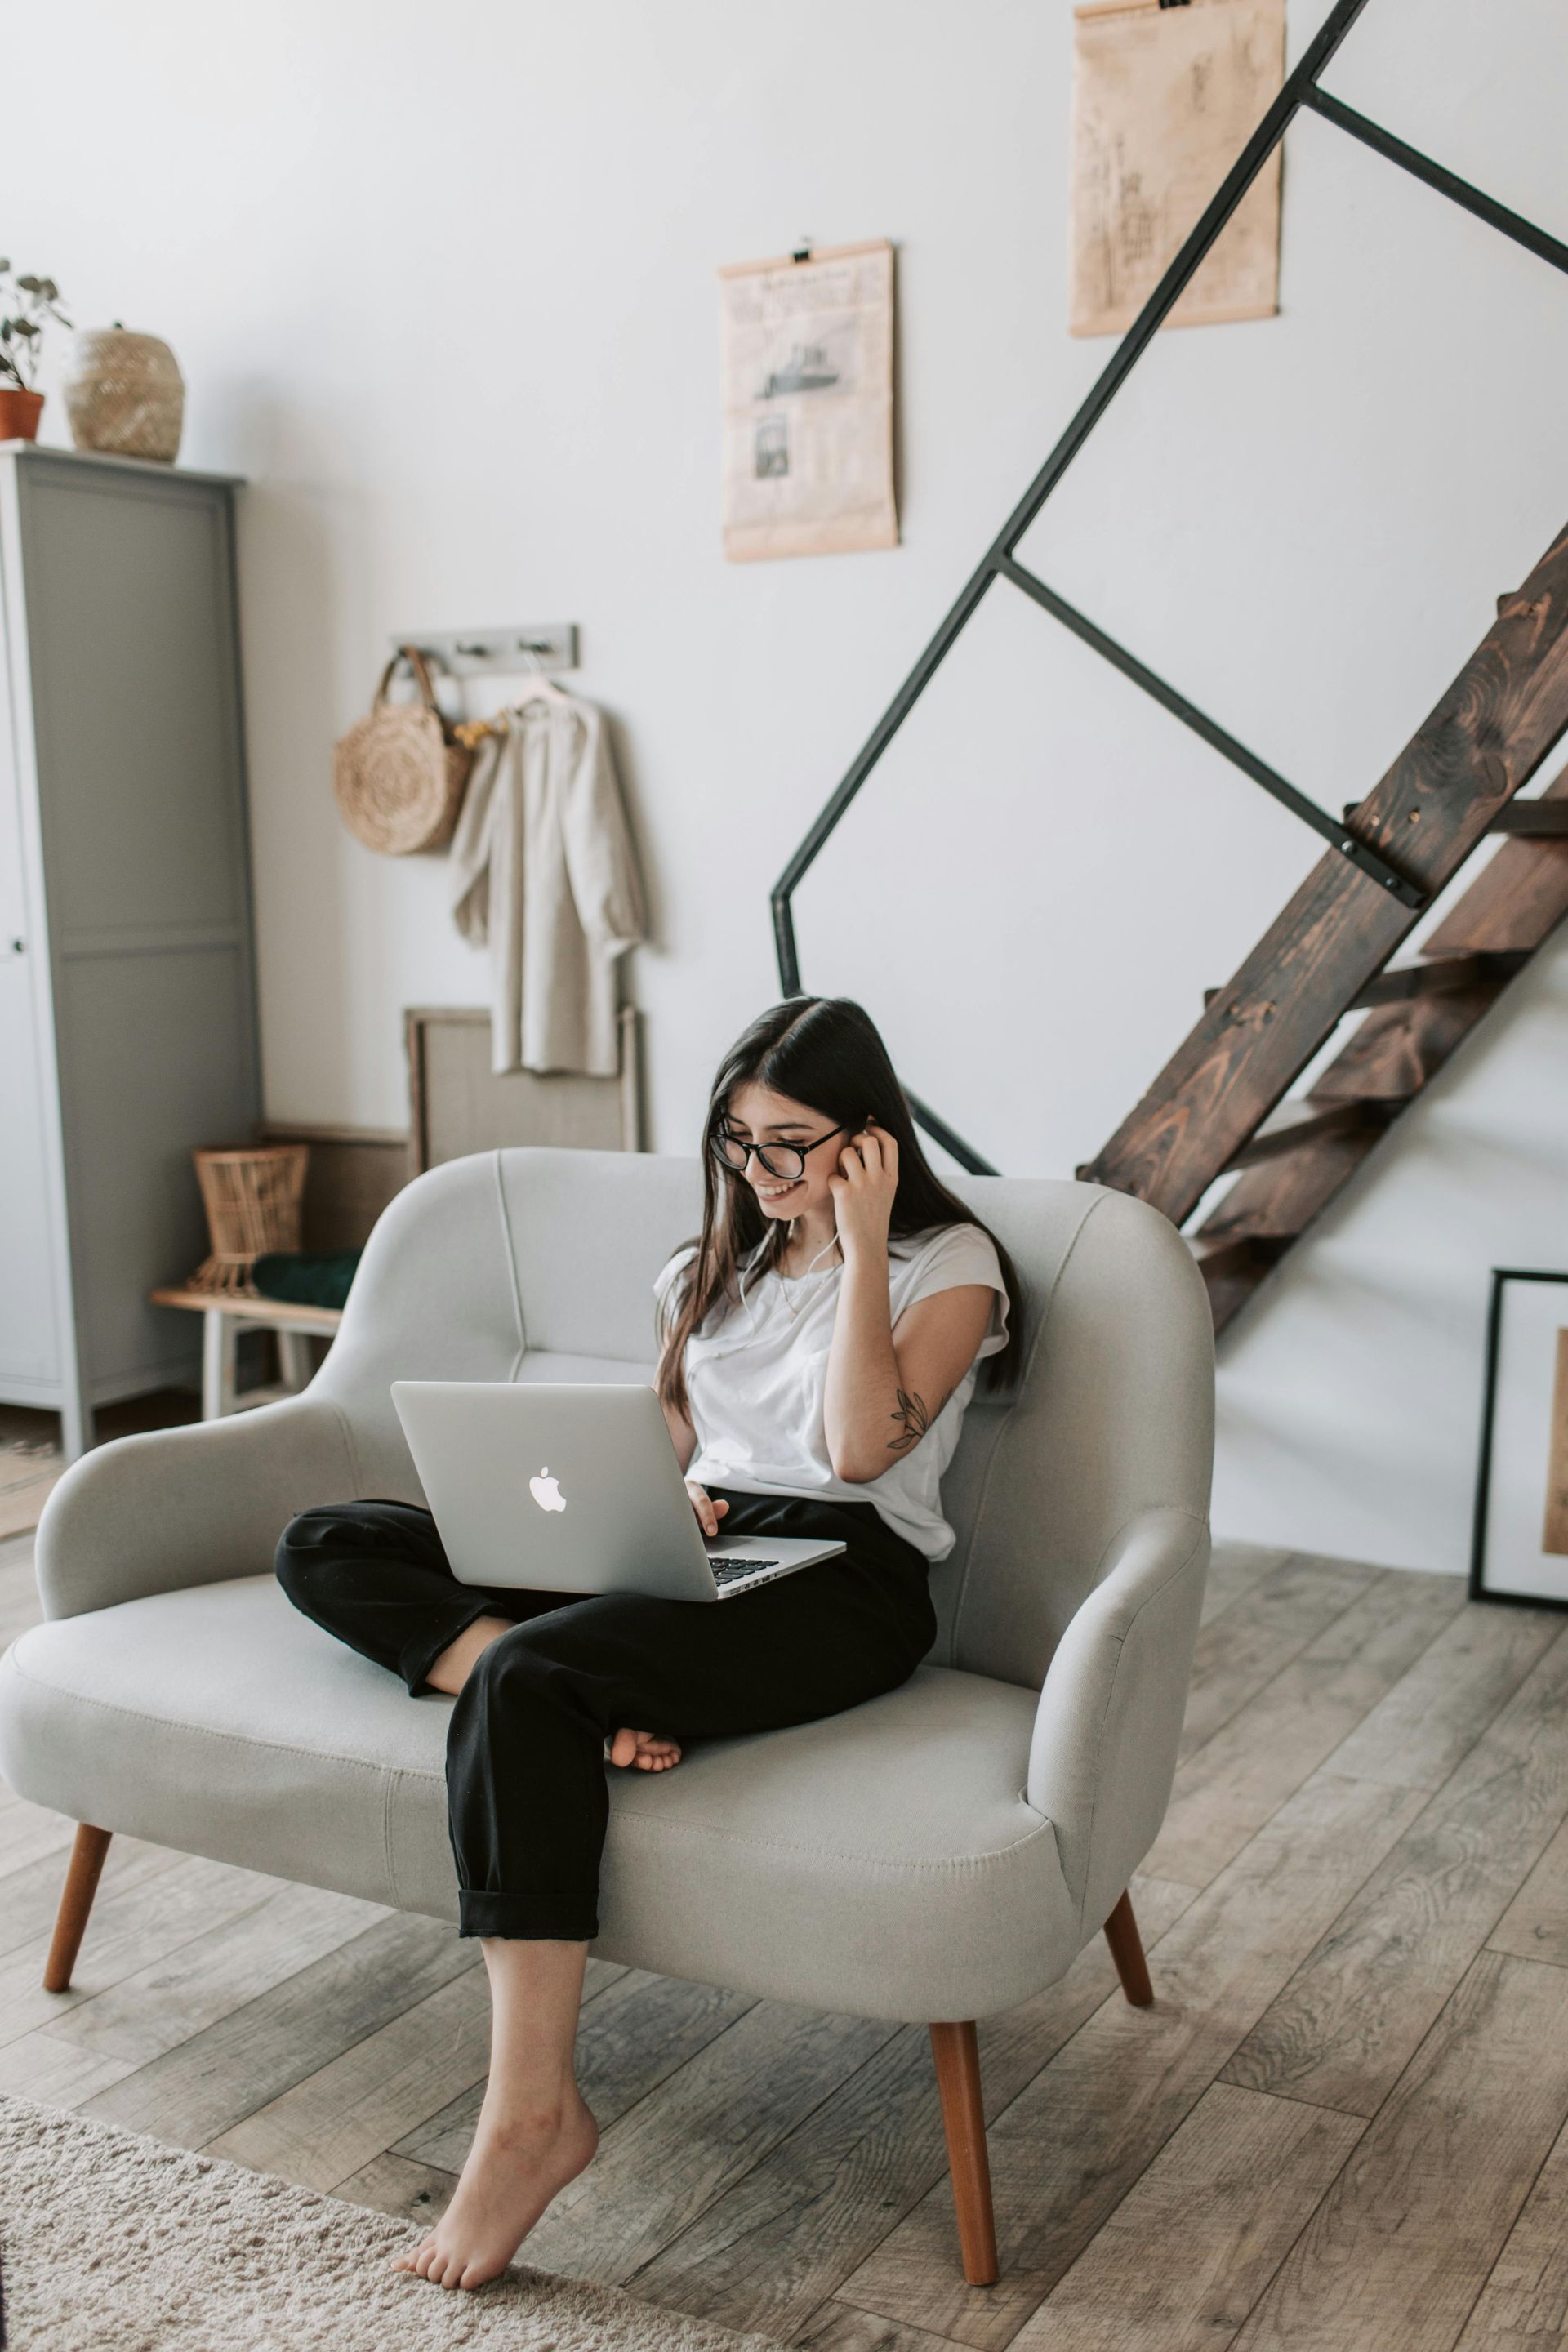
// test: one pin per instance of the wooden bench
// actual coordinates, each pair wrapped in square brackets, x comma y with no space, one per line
[225,1314]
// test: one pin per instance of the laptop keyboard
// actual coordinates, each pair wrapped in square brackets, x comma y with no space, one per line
[725,1571]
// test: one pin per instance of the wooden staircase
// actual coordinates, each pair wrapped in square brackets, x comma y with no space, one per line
[1212,1111]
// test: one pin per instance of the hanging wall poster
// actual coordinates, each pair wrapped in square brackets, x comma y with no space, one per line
[1521,1494]
[807,351]
[1164,99]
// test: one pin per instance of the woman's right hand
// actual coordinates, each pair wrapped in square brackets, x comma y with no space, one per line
[708,1512]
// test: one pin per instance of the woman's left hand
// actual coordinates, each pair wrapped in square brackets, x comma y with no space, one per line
[863,1191]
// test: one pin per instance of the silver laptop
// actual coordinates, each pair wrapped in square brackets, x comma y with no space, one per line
[573,1489]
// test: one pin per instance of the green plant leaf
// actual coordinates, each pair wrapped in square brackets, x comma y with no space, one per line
[29,285]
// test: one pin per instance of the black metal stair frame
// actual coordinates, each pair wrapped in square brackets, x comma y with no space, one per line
[1299,89]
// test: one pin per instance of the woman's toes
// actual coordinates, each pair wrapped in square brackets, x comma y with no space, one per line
[645,1750]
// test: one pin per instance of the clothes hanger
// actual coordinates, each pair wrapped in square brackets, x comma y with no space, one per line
[541,688]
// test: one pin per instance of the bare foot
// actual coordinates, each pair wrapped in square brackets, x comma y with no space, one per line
[514,2168]
[645,1750]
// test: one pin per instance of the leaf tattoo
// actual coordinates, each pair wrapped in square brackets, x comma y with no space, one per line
[914,1418]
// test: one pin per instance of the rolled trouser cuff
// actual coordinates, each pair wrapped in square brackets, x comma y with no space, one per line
[521,1916]
[417,1658]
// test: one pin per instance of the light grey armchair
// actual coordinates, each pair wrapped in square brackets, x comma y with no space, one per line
[938,1854]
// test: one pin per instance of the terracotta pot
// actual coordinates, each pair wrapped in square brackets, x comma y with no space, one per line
[124,395]
[19,412]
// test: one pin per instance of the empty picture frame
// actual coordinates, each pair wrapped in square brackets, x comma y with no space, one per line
[1520,1550]
[457,1104]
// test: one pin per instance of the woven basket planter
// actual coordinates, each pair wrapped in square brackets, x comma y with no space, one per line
[124,395]
[252,1199]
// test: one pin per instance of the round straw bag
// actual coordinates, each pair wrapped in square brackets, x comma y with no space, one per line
[252,1197]
[397,774]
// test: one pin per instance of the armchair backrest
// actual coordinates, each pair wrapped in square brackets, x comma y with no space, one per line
[538,1265]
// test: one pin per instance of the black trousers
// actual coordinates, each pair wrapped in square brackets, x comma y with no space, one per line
[527,1798]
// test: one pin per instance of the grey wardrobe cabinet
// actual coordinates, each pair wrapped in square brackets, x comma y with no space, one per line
[128,1028]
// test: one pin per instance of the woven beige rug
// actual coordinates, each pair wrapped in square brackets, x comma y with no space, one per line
[116,2243]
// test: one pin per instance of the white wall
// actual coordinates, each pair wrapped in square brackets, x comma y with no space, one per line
[443,290]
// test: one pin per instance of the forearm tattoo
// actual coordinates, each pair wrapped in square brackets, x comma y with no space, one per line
[913,1420]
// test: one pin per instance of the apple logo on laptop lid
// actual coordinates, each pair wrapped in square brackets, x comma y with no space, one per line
[546,1491]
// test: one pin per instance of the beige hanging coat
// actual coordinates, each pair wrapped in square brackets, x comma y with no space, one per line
[542,867]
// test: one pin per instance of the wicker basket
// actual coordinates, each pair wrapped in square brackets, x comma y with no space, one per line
[124,395]
[252,1199]
[398,777]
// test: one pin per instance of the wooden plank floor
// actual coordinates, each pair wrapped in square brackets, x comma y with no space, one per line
[1344,2123]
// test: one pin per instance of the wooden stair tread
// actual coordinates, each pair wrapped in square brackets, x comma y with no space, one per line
[1541,819]
[1397,982]
[1434,975]
[1283,1197]
[1295,1123]
[1232,1269]
[1400,1048]
[1237,1250]
[1517,901]
[1538,820]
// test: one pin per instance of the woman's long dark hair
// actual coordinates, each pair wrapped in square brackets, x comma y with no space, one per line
[825,1051]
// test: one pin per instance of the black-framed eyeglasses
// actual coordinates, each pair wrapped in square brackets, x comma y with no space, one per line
[786,1160]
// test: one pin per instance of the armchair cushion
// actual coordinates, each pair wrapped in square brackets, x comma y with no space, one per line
[884,1862]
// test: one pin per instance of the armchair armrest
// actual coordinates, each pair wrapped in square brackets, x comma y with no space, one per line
[190,1506]
[1104,1750]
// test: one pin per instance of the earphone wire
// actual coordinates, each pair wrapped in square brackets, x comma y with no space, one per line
[832,1243]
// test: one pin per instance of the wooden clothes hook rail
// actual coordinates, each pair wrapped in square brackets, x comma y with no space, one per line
[516,649]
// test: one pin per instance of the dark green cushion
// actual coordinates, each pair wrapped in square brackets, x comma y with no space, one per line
[306,1277]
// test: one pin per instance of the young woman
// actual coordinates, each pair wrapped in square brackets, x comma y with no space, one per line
[819,1343]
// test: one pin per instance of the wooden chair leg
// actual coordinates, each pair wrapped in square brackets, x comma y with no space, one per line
[957,2056]
[1127,1951]
[76,1901]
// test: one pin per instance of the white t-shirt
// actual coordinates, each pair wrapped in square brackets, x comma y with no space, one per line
[756,1375]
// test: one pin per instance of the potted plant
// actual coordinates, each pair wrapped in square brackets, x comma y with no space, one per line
[25,304]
